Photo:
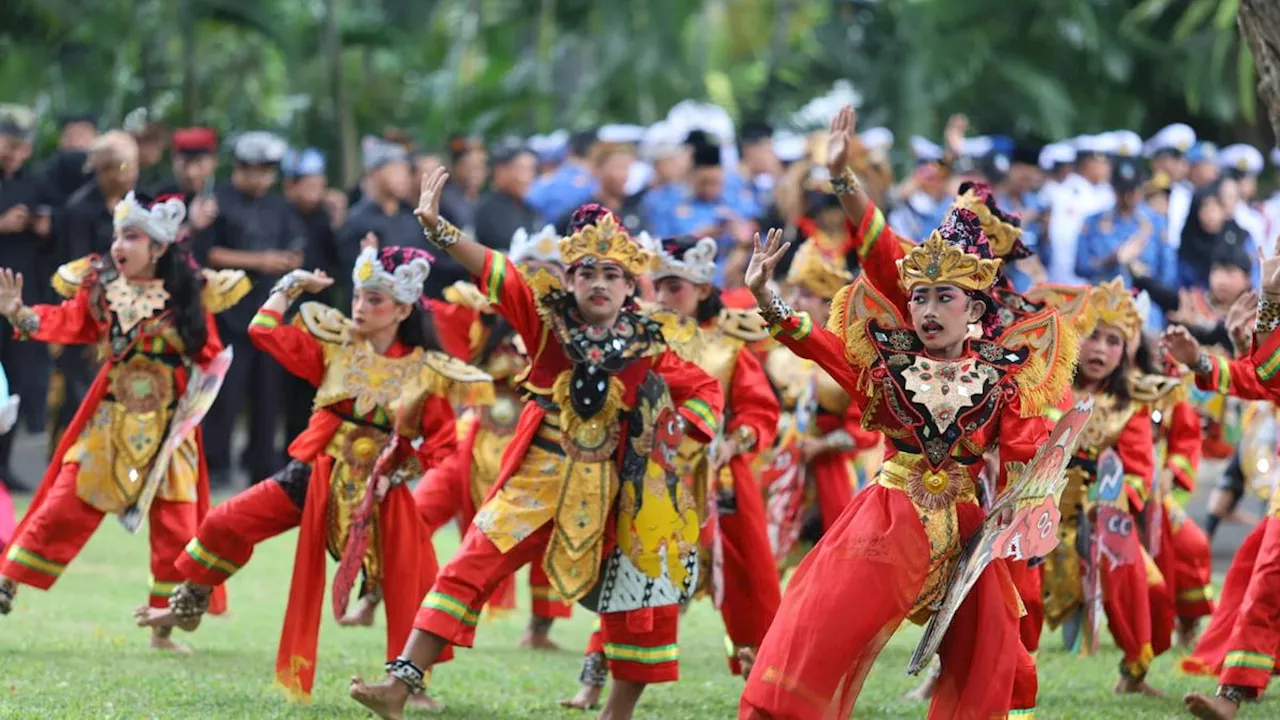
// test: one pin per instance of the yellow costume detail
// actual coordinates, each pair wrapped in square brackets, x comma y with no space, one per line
[354,448]
[814,271]
[938,262]
[223,289]
[1113,305]
[606,241]
[134,302]
[1000,234]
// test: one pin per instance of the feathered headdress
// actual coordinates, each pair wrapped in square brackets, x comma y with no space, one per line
[1114,305]
[542,246]
[161,221]
[400,272]
[816,272]
[686,257]
[957,253]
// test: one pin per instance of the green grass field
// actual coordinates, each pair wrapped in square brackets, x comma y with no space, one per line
[74,653]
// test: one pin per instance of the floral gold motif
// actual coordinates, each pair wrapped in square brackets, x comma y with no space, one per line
[141,385]
[1000,234]
[606,241]
[134,302]
[1113,305]
[816,272]
[938,262]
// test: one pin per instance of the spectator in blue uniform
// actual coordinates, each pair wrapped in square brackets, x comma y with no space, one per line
[571,185]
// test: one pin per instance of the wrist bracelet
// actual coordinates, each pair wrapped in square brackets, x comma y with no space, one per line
[444,236]
[290,286]
[777,311]
[26,321]
[1204,364]
[847,183]
[744,437]
[1268,314]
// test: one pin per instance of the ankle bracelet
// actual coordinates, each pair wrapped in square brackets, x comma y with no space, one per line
[407,672]
[189,602]
[595,670]
[1236,694]
[540,625]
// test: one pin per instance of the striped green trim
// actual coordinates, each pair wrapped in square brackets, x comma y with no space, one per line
[1196,594]
[211,560]
[1026,714]
[497,273]
[1052,413]
[451,606]
[32,561]
[264,321]
[1224,374]
[643,655]
[702,410]
[1182,463]
[544,592]
[1138,484]
[160,588]
[804,328]
[730,650]
[872,234]
[1245,658]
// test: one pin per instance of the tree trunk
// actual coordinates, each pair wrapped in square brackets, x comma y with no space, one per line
[1259,22]
[350,160]
[778,45]
[190,81]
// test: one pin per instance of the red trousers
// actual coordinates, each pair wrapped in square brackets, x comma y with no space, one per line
[442,495]
[817,654]
[1139,611]
[64,523]
[640,644]
[1028,581]
[230,531]
[1243,639]
[752,590]
[1192,567]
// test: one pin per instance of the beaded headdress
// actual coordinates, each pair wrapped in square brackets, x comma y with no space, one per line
[598,237]
[957,253]
[686,257]
[1003,230]
[817,272]
[399,272]
[1114,305]
[161,221]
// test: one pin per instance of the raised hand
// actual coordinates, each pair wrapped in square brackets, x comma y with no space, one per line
[840,140]
[1241,317]
[1184,348]
[953,134]
[428,210]
[315,280]
[764,259]
[10,292]
[369,241]
[1271,270]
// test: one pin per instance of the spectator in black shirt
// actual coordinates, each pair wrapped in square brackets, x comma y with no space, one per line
[151,137]
[257,231]
[504,210]
[22,234]
[66,171]
[195,160]
[468,169]
[84,227]
[611,164]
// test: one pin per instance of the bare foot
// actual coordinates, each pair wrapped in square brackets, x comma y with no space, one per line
[146,616]
[385,699]
[425,703]
[1209,707]
[746,658]
[923,691]
[588,698]
[166,643]
[1133,686]
[533,640]
[1186,633]
[361,614]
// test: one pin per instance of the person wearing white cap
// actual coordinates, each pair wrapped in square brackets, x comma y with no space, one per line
[1240,165]
[663,147]
[1057,160]
[924,203]
[1168,150]
[1085,191]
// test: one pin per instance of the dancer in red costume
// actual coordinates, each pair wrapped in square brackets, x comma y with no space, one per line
[944,400]
[471,330]
[1242,641]
[587,484]
[153,312]
[379,389]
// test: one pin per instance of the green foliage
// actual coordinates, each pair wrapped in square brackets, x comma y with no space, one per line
[1047,68]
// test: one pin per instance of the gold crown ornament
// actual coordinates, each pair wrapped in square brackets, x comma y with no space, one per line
[1114,305]
[1001,235]
[606,241]
[938,262]
[816,272]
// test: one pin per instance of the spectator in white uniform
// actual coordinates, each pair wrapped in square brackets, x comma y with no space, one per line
[1083,193]
[1167,150]
[1243,163]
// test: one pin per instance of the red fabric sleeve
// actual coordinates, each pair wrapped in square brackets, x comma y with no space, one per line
[1185,438]
[1136,447]
[824,348]
[212,344]
[879,250]
[696,395]
[1241,378]
[510,295]
[439,432]
[752,402]
[296,349]
[1020,438]
[453,325]
[71,322]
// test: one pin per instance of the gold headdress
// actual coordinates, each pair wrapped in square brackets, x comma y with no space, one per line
[940,261]
[1113,305]
[819,274]
[605,241]
[1001,234]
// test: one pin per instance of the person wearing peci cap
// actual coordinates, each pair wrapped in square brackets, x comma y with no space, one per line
[256,231]
[506,208]
[23,235]
[569,186]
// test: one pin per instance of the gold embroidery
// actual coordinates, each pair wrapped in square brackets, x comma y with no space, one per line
[134,302]
[946,388]
[354,449]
